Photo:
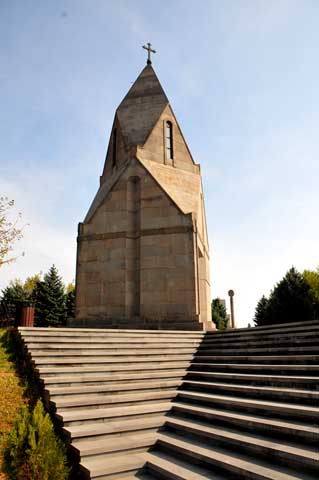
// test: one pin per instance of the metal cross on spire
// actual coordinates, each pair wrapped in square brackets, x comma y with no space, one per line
[148,47]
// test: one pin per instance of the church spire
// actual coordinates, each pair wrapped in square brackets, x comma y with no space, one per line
[141,107]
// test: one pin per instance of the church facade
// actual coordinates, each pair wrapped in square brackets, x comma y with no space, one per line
[142,254]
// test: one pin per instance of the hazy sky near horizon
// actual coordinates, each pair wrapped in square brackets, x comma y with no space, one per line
[242,77]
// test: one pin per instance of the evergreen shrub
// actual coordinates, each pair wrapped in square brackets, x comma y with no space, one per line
[33,451]
[50,306]
[289,301]
[219,314]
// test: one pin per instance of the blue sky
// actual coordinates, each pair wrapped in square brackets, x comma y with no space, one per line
[242,77]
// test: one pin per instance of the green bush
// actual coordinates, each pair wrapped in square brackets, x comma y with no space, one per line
[219,314]
[33,451]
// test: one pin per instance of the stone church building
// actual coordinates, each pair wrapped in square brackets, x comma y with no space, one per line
[142,257]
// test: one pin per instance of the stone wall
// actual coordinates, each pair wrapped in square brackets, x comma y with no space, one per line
[136,256]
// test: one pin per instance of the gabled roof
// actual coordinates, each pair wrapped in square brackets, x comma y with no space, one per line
[183,187]
[141,107]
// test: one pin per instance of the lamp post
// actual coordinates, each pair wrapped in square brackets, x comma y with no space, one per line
[231,294]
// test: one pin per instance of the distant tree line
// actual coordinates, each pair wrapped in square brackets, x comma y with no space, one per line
[53,301]
[294,299]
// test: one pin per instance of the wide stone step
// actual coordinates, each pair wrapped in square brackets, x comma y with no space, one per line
[108,378]
[119,343]
[150,366]
[141,475]
[114,388]
[166,466]
[260,343]
[110,446]
[104,352]
[99,469]
[246,442]
[275,328]
[233,463]
[106,332]
[280,369]
[280,409]
[268,359]
[287,394]
[253,379]
[85,416]
[83,361]
[291,349]
[111,339]
[108,341]
[112,429]
[262,336]
[296,431]
[94,401]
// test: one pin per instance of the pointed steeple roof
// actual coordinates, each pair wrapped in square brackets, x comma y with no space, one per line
[141,107]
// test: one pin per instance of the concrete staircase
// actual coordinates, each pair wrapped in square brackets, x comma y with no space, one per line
[239,404]
[110,389]
[247,409]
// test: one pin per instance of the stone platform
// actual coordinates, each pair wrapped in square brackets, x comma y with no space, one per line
[140,324]
[239,404]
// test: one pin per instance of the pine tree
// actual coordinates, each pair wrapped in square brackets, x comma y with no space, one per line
[50,307]
[262,312]
[17,445]
[289,301]
[219,314]
[34,452]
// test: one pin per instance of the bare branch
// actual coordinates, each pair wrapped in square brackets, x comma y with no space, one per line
[10,232]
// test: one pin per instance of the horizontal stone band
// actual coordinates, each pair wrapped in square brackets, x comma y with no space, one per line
[142,233]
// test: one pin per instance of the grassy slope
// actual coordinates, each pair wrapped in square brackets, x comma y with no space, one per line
[11,397]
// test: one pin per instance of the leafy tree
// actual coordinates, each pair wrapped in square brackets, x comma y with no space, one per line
[13,297]
[17,295]
[10,232]
[289,301]
[219,314]
[312,279]
[70,287]
[33,451]
[31,283]
[50,307]
[70,301]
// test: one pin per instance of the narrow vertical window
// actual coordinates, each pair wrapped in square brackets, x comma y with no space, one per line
[114,147]
[169,140]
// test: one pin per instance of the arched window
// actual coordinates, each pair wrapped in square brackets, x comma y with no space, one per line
[114,147]
[169,140]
